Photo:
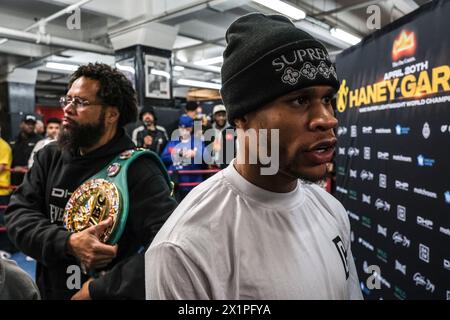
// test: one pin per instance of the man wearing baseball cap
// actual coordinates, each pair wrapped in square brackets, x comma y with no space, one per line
[22,147]
[276,236]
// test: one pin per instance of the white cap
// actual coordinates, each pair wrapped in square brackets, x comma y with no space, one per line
[219,108]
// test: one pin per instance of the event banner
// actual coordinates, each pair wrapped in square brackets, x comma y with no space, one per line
[393,155]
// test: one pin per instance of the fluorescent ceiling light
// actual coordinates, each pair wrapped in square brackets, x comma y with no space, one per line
[160,73]
[283,8]
[125,68]
[178,68]
[2,41]
[61,66]
[344,36]
[207,62]
[199,84]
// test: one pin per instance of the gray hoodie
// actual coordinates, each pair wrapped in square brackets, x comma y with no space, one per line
[16,284]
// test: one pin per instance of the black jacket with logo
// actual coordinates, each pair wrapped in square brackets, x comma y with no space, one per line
[21,150]
[34,220]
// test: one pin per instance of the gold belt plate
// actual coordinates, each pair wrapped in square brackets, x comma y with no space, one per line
[91,203]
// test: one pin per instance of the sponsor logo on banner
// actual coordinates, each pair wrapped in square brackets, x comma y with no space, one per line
[424,253]
[444,128]
[399,157]
[445,231]
[367,130]
[404,45]
[425,222]
[421,281]
[447,196]
[341,131]
[399,130]
[353,131]
[352,215]
[382,255]
[401,239]
[366,222]
[366,153]
[399,293]
[353,173]
[341,151]
[382,180]
[366,244]
[400,267]
[366,198]
[447,264]
[341,170]
[383,131]
[383,155]
[401,185]
[425,193]
[353,152]
[366,175]
[382,205]
[352,194]
[341,190]
[401,213]
[382,230]
[426,131]
[424,162]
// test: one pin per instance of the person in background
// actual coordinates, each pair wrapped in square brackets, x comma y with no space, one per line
[16,284]
[39,128]
[185,153]
[99,102]
[5,191]
[150,135]
[52,132]
[220,122]
[22,146]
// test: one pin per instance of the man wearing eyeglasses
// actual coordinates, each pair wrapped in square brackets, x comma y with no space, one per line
[100,101]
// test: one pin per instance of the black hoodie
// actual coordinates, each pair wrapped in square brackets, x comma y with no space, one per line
[34,219]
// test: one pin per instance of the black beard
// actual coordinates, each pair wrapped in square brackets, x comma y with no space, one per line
[81,136]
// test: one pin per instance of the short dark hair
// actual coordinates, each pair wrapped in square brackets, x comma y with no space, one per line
[54,120]
[115,89]
[191,105]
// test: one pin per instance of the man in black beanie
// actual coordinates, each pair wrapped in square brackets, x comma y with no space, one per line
[150,135]
[272,236]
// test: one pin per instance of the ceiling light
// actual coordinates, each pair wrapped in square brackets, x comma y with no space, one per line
[207,62]
[2,41]
[199,84]
[344,36]
[178,68]
[61,66]
[283,8]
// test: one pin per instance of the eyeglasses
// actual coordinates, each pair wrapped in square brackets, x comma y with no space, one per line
[75,101]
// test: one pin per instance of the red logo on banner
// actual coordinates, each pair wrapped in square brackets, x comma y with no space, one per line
[404,45]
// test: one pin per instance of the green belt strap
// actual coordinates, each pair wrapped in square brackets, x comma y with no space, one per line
[120,181]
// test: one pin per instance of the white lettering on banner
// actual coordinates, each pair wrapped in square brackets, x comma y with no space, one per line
[341,190]
[400,267]
[383,131]
[425,222]
[353,215]
[382,230]
[426,193]
[420,280]
[445,231]
[424,253]
[399,157]
[366,244]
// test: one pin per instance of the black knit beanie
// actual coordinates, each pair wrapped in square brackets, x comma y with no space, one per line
[266,57]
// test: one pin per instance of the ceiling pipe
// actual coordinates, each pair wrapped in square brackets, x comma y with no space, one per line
[51,40]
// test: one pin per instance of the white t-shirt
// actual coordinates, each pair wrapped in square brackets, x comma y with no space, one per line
[229,239]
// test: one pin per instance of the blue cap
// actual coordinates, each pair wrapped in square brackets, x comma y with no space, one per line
[185,121]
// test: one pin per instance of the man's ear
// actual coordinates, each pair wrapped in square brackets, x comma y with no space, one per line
[112,115]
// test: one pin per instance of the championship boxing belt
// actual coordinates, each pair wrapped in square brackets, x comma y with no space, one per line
[106,195]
